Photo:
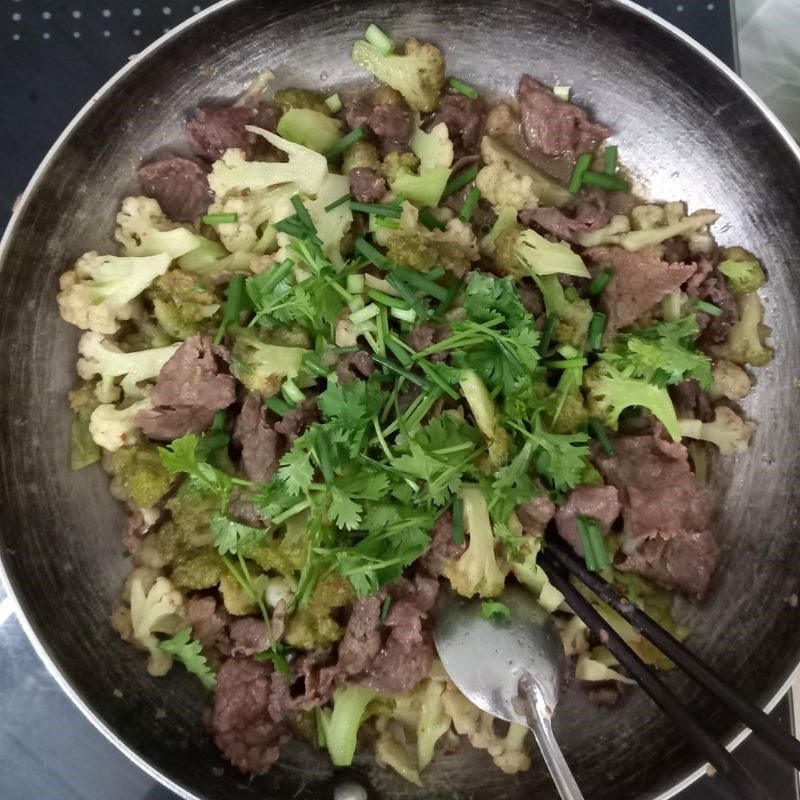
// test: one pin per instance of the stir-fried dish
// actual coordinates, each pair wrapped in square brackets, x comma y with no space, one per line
[359,349]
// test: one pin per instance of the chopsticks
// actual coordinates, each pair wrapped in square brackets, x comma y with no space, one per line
[559,563]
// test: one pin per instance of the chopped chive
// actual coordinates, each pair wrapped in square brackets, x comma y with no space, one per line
[290,226]
[363,314]
[600,281]
[423,383]
[458,521]
[449,299]
[462,179]
[707,308]
[586,542]
[421,282]
[291,392]
[578,173]
[340,202]
[334,103]
[470,204]
[346,141]
[568,351]
[407,293]
[462,88]
[372,254]
[278,406]
[302,214]
[598,430]
[610,182]
[562,92]
[386,299]
[355,284]
[379,209]
[387,601]
[386,222]
[312,365]
[377,38]
[567,363]
[233,306]
[356,302]
[547,334]
[435,273]
[398,351]
[404,314]
[219,219]
[427,218]
[436,376]
[597,327]
[610,159]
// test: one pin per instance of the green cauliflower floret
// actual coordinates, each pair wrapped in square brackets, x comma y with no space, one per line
[140,475]
[361,154]
[485,414]
[506,216]
[340,725]
[313,625]
[157,608]
[237,600]
[182,304]
[394,162]
[312,129]
[574,315]
[729,432]
[97,294]
[263,367]
[746,339]
[611,390]
[212,260]
[528,572]
[288,99]
[111,427]
[83,450]
[424,189]
[568,413]
[418,74]
[742,270]
[476,571]
[523,252]
[201,571]
[189,528]
[434,149]
[144,230]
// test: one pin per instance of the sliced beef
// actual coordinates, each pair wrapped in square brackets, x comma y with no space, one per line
[294,422]
[714,289]
[139,523]
[421,337]
[366,185]
[535,514]
[209,622]
[531,297]
[249,717]
[259,441]
[355,366]
[641,279]
[357,111]
[191,387]
[553,220]
[464,119]
[600,503]
[361,642]
[389,122]
[603,693]
[554,126]
[442,547]
[215,129]
[691,401]
[248,636]
[179,185]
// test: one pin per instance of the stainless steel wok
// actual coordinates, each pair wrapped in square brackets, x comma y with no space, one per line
[683,123]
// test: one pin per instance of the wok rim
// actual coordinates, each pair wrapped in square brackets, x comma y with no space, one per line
[739,733]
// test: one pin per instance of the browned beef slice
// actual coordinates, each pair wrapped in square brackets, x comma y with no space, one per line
[137,525]
[260,443]
[421,337]
[312,685]
[295,422]
[209,621]
[442,546]
[664,509]
[179,185]
[214,129]
[362,637]
[464,119]
[535,514]
[555,221]
[392,125]
[191,387]
[715,290]
[356,112]
[251,703]
[355,366]
[691,401]
[531,297]
[641,279]
[366,185]
[554,126]
[248,636]
[600,503]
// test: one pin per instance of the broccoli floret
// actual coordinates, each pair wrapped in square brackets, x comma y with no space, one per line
[418,74]
[522,251]
[236,599]
[611,390]
[182,304]
[263,367]
[729,432]
[312,129]
[188,529]
[477,571]
[157,609]
[290,99]
[362,154]
[308,631]
[730,381]
[100,357]
[201,571]
[98,292]
[573,316]
[144,230]
[112,427]
[341,724]
[232,173]
[485,414]
[746,339]
[510,180]
[394,162]
[742,270]
[140,475]
[83,450]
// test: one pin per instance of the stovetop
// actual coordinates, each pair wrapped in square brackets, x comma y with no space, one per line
[53,56]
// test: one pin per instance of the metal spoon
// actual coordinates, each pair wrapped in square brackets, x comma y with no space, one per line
[513,670]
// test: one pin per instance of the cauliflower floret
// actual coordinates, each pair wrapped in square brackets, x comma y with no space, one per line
[113,428]
[506,215]
[362,154]
[157,610]
[395,162]
[485,413]
[522,251]
[144,230]
[742,270]
[433,149]
[101,357]
[332,226]
[288,99]
[504,188]
[647,217]
[263,367]
[730,381]
[98,292]
[729,432]
[612,233]
[313,129]
[686,227]
[745,344]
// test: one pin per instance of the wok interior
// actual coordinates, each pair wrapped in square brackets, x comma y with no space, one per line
[681,126]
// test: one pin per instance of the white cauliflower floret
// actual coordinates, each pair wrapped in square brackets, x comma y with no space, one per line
[98,292]
[144,230]
[730,381]
[504,188]
[459,234]
[728,431]
[101,357]
[611,234]
[111,427]
[333,225]
[647,217]
[157,610]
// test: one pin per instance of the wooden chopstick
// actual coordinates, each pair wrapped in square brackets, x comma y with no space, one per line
[781,742]
[738,779]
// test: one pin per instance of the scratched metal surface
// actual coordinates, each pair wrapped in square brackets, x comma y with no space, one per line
[678,120]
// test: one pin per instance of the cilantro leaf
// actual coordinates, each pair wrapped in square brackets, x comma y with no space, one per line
[560,458]
[234,537]
[495,611]
[296,471]
[352,404]
[511,485]
[182,456]
[343,510]
[487,297]
[276,655]
[189,652]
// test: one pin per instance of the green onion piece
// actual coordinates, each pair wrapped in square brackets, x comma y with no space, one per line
[585,534]
[610,182]
[610,159]
[398,350]
[379,209]
[470,204]
[311,363]
[421,282]
[562,92]
[233,306]
[597,327]
[346,141]
[576,179]
[462,179]
[547,334]
[462,88]
[568,351]
[386,222]
[598,430]
[567,363]
[387,601]
[448,301]
[291,226]
[407,293]
[265,283]
[278,406]
[323,453]
[458,521]
[302,214]
[435,273]
[356,302]
[707,308]
[436,376]
[364,314]
[600,281]
[292,392]
[219,219]
[355,284]
[429,221]
[372,254]
[340,202]
[377,38]
[423,383]
[334,103]
[404,314]
[386,299]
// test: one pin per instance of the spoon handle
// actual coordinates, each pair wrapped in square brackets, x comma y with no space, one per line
[539,722]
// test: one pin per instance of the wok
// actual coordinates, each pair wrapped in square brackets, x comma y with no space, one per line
[684,124]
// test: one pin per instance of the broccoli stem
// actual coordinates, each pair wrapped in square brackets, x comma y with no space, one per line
[340,726]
